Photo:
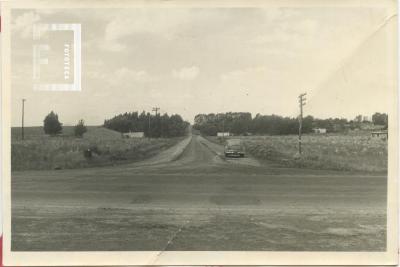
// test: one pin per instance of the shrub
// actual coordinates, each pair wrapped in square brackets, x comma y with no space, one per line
[80,129]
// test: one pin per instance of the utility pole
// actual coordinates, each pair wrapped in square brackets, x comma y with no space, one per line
[23,115]
[156,109]
[302,103]
[149,123]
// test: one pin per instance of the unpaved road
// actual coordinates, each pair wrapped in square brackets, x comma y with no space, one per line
[199,201]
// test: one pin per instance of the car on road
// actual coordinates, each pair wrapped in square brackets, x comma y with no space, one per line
[234,148]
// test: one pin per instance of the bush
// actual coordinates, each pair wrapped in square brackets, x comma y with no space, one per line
[87,153]
[80,129]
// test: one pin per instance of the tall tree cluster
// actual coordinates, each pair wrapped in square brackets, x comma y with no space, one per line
[152,125]
[234,122]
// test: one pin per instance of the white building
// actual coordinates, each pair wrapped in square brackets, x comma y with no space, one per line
[380,134]
[319,130]
[222,134]
[133,135]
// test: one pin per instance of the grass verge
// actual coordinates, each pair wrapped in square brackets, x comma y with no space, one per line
[330,152]
[40,152]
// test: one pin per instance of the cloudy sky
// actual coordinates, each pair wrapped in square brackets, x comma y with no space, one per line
[203,60]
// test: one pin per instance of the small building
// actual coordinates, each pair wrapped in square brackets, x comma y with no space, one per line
[380,134]
[223,134]
[133,135]
[319,130]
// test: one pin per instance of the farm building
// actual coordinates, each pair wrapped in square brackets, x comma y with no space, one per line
[319,130]
[380,134]
[222,134]
[133,135]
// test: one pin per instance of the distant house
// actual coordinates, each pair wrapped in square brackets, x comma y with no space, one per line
[319,130]
[222,134]
[133,135]
[380,134]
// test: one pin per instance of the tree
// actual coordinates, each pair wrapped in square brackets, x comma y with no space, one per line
[80,129]
[358,118]
[380,119]
[307,126]
[51,124]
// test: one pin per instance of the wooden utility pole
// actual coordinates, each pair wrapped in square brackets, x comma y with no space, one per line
[302,103]
[149,123]
[23,115]
[156,109]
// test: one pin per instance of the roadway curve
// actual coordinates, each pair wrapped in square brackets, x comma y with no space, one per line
[198,201]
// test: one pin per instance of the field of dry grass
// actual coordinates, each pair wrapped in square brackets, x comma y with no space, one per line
[39,151]
[357,152]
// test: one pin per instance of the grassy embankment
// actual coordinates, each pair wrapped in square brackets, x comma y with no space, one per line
[353,152]
[39,151]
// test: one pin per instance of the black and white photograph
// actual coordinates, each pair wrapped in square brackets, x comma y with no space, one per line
[193,127]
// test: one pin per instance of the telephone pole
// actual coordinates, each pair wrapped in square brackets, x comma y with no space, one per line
[23,115]
[302,103]
[156,109]
[149,123]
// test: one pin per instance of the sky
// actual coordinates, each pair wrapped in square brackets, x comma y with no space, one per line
[207,60]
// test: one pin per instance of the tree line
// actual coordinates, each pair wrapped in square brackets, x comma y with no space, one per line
[152,125]
[238,123]
[242,123]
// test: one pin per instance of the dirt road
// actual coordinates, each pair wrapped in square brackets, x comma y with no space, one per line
[198,201]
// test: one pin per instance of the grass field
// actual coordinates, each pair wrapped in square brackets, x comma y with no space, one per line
[93,133]
[40,151]
[357,152]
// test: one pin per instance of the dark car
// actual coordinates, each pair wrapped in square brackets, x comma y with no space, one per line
[234,148]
